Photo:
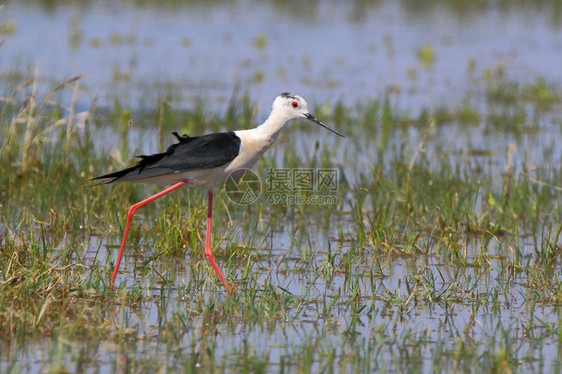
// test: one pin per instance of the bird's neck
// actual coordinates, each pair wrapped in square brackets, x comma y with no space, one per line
[270,129]
[257,140]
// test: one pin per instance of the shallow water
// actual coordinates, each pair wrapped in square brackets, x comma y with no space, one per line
[332,51]
[425,321]
[326,51]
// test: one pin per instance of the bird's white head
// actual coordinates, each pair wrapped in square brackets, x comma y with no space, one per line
[291,106]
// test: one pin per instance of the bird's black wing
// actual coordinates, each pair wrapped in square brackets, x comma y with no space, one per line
[191,153]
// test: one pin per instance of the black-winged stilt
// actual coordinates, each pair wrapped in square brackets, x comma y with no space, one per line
[206,162]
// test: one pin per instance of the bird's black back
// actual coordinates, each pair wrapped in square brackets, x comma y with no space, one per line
[190,153]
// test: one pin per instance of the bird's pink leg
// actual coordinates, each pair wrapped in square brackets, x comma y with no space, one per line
[208,250]
[130,215]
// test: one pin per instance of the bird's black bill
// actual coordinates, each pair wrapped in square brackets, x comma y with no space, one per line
[318,122]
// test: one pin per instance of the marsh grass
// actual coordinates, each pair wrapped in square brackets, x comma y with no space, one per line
[433,258]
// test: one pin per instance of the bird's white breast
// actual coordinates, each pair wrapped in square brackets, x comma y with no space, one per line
[253,144]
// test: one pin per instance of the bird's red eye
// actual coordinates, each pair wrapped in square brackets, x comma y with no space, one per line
[294,104]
